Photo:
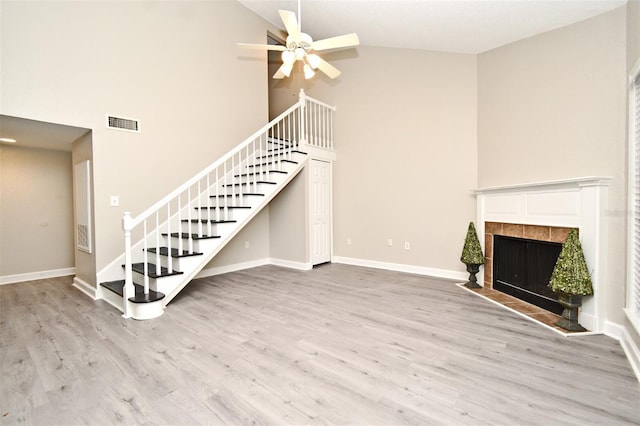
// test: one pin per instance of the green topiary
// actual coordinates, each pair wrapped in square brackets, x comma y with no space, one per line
[472,251]
[571,275]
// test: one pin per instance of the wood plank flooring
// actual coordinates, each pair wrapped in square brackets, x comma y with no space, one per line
[336,345]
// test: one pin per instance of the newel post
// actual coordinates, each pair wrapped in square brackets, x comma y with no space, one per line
[302,137]
[128,290]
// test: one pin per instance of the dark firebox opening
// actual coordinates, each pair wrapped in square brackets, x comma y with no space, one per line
[522,268]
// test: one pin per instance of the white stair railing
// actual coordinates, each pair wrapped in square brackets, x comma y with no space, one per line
[317,123]
[188,213]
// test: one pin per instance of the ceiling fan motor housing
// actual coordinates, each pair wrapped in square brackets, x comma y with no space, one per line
[304,42]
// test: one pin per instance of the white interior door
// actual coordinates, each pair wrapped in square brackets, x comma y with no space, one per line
[320,197]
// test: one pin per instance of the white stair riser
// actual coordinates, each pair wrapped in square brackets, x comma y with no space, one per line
[162,284]
[112,299]
[145,311]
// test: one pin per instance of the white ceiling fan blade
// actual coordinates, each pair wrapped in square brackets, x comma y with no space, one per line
[290,23]
[337,42]
[283,71]
[262,46]
[325,66]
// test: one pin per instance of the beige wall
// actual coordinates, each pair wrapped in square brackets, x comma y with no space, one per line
[554,106]
[85,263]
[36,210]
[255,235]
[633,33]
[406,144]
[633,56]
[174,66]
[289,222]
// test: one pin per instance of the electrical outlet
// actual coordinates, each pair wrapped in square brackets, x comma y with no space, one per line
[407,245]
[115,201]
[389,242]
[246,244]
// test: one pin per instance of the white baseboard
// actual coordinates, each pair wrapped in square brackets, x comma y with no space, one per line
[253,264]
[611,329]
[631,350]
[399,267]
[290,264]
[41,275]
[86,288]
[589,322]
[218,270]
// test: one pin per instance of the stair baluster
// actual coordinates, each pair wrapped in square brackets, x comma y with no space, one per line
[128,290]
[180,241]
[189,224]
[169,262]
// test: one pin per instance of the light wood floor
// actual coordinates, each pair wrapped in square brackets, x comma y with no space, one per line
[336,345]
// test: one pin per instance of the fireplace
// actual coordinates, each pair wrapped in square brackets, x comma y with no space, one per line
[546,211]
[523,268]
[513,251]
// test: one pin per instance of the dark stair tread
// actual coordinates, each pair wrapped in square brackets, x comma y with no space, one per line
[253,194]
[250,183]
[221,207]
[281,142]
[259,173]
[151,270]
[208,221]
[293,150]
[118,288]
[164,251]
[185,236]
[115,286]
[284,160]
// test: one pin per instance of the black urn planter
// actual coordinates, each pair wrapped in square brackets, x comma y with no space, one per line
[570,303]
[472,269]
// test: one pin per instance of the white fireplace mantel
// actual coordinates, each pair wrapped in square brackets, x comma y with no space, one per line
[572,203]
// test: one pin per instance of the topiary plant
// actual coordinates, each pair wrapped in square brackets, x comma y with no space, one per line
[472,251]
[571,275]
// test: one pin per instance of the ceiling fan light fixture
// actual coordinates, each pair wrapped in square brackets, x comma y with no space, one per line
[288,57]
[286,68]
[301,46]
[300,53]
[308,72]
[313,60]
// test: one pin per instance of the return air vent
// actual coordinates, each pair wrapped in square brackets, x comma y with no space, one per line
[120,123]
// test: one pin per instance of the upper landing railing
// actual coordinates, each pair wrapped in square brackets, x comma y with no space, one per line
[306,124]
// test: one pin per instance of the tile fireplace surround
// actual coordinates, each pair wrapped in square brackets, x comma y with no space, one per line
[546,211]
[554,234]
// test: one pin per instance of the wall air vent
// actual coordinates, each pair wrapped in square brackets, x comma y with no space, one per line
[120,123]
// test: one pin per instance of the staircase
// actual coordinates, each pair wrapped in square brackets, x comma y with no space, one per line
[171,242]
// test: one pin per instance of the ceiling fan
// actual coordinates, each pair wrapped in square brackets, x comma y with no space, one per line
[301,47]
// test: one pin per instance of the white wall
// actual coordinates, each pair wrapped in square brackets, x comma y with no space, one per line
[406,144]
[172,65]
[554,106]
[36,211]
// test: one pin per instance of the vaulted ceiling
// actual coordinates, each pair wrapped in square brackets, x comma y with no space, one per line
[463,26]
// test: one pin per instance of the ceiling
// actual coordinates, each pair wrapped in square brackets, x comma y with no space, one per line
[462,26]
[39,134]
